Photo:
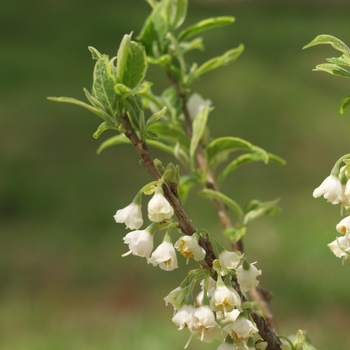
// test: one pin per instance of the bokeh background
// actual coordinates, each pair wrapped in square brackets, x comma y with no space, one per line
[63,283]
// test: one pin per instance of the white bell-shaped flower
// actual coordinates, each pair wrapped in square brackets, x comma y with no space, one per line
[344,226]
[246,277]
[341,247]
[189,247]
[130,215]
[241,328]
[164,256]
[203,319]
[224,298]
[331,189]
[228,261]
[159,208]
[183,317]
[140,242]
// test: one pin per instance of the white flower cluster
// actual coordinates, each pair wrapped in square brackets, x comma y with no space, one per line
[141,241]
[336,192]
[218,312]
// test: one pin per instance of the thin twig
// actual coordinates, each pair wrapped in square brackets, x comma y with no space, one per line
[184,222]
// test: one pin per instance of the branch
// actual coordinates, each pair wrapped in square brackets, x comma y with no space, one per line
[184,222]
[268,327]
[266,333]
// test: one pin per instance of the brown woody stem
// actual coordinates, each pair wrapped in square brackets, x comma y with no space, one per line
[184,222]
[266,326]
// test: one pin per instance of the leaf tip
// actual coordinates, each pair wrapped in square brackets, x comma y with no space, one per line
[95,53]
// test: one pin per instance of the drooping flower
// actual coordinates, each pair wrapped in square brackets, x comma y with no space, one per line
[209,334]
[159,208]
[344,226]
[140,242]
[246,276]
[196,103]
[228,260]
[232,316]
[176,297]
[164,256]
[183,317]
[331,189]
[130,215]
[188,246]
[241,328]
[341,247]
[224,298]
[203,319]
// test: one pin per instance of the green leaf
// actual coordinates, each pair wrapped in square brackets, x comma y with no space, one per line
[147,35]
[161,60]
[195,44]
[186,183]
[160,145]
[103,84]
[198,127]
[218,149]
[161,27]
[123,55]
[102,127]
[93,100]
[95,53]
[204,25]
[170,133]
[344,104]
[155,117]
[341,61]
[78,103]
[208,193]
[113,141]
[333,69]
[132,62]
[331,40]
[216,62]
[178,13]
[179,54]
[181,155]
[135,112]
[176,151]
[122,90]
[246,159]
[166,16]
[234,234]
[256,209]
[125,91]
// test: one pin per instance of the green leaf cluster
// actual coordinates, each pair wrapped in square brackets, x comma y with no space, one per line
[167,48]
[335,65]
[252,211]
[117,84]
[218,150]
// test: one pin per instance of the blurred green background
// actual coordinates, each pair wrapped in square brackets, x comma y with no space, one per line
[63,282]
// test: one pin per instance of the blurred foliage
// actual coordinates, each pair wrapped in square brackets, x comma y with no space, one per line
[63,283]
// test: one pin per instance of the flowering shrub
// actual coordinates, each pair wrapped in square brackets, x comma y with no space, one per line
[336,187]
[231,306]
